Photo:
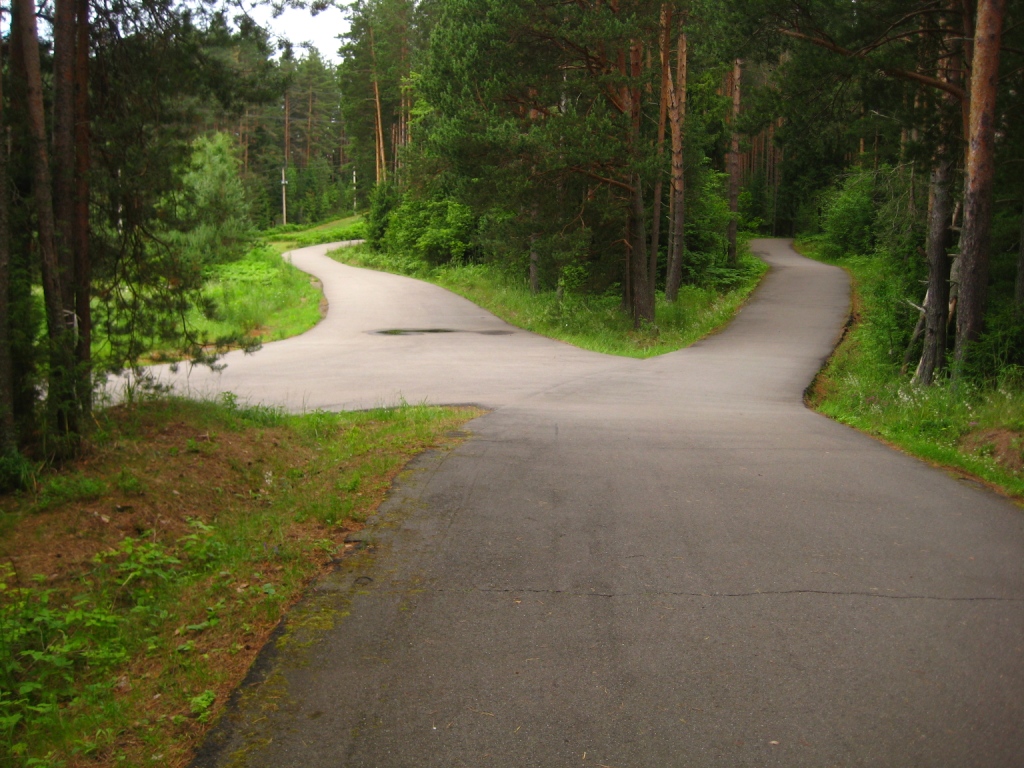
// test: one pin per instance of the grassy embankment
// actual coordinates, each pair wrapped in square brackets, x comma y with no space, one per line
[137,585]
[263,296]
[591,322]
[974,429]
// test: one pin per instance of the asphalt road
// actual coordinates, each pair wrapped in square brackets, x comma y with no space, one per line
[668,562]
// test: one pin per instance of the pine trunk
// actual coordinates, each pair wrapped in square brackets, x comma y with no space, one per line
[8,438]
[83,259]
[1018,294]
[60,396]
[382,170]
[643,292]
[64,146]
[734,162]
[940,210]
[665,51]
[979,178]
[677,114]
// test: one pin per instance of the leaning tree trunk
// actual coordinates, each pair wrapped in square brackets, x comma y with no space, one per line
[940,210]
[677,114]
[734,162]
[975,237]
[60,397]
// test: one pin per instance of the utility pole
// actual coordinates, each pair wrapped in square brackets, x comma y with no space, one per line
[284,198]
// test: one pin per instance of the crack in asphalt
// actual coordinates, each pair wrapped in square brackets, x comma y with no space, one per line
[764,593]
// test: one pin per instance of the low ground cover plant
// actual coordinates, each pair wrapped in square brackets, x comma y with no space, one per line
[589,321]
[137,586]
[974,424]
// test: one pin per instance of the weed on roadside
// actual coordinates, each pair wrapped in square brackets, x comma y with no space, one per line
[136,588]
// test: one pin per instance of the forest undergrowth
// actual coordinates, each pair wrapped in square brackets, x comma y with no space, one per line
[588,321]
[971,426]
[138,584]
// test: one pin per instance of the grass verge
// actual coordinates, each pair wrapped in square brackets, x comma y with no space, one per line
[596,323]
[971,428]
[261,296]
[137,586]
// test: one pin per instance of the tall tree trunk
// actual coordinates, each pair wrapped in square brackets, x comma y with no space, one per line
[83,259]
[643,293]
[382,169]
[643,296]
[534,255]
[8,438]
[940,209]
[665,45]
[979,178]
[64,146]
[60,396]
[1018,294]
[734,162]
[677,115]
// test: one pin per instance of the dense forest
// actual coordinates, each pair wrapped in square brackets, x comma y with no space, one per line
[619,146]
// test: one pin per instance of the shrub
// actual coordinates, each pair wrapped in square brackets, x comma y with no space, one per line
[848,216]
[436,231]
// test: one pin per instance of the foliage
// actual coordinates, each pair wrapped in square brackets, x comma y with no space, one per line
[571,314]
[131,651]
[262,296]
[434,231]
[848,216]
[383,201]
[212,210]
[863,386]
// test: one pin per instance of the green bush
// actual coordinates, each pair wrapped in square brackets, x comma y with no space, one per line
[848,216]
[383,200]
[435,231]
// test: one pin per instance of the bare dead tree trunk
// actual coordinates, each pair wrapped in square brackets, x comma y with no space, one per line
[677,115]
[940,209]
[734,162]
[979,178]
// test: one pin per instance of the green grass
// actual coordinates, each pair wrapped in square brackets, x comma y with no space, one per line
[862,386]
[261,295]
[173,566]
[348,228]
[591,322]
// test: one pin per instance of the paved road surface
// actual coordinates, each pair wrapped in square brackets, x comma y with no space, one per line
[655,563]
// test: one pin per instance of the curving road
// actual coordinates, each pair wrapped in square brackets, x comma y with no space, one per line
[668,562]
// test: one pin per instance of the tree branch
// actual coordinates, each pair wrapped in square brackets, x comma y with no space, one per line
[900,74]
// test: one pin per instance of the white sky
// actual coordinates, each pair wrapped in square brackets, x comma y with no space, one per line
[300,26]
